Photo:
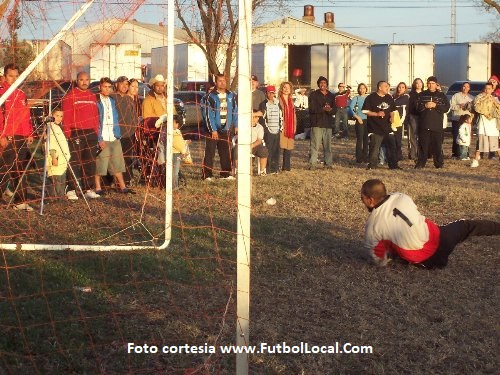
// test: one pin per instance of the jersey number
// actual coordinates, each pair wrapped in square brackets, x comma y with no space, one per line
[396,212]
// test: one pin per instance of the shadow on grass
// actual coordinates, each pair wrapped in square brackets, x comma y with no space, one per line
[68,312]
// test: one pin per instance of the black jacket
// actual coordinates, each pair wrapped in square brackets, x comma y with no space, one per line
[319,117]
[432,118]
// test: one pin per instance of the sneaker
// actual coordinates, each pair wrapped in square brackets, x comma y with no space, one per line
[263,173]
[71,195]
[209,179]
[474,164]
[91,194]
[465,159]
[229,178]
[23,207]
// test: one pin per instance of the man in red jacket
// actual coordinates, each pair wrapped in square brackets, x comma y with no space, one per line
[16,134]
[81,123]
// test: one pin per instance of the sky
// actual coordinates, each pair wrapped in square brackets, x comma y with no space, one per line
[404,21]
[381,21]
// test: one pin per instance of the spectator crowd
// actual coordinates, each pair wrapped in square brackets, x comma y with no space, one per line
[93,142]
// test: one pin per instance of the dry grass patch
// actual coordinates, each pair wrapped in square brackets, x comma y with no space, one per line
[311,280]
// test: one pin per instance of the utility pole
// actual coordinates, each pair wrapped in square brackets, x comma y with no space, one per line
[453,33]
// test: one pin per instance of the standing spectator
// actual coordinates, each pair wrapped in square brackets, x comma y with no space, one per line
[128,120]
[133,92]
[401,100]
[16,134]
[58,156]
[431,106]
[460,104]
[110,154]
[301,104]
[356,106]
[154,111]
[321,108]
[341,104]
[412,123]
[221,121]
[81,124]
[179,151]
[272,115]
[257,96]
[464,136]
[379,107]
[488,108]
[496,86]
[154,104]
[289,124]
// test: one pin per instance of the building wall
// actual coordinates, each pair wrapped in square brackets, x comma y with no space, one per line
[293,31]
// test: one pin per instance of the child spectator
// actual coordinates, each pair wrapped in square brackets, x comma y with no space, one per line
[273,123]
[180,151]
[57,156]
[464,135]
[258,147]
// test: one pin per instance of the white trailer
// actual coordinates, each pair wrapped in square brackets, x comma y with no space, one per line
[190,63]
[270,63]
[114,60]
[466,61]
[348,63]
[396,63]
[56,65]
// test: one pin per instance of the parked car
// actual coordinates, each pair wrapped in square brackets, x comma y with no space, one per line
[194,125]
[194,86]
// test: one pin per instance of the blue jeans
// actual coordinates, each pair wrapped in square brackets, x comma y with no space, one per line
[341,116]
[463,151]
[176,162]
[390,144]
[273,146]
[321,136]
[361,142]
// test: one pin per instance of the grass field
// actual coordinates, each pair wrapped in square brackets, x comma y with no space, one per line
[74,312]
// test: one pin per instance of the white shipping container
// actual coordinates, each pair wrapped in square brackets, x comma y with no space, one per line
[56,65]
[360,66]
[465,61]
[348,63]
[320,55]
[190,63]
[114,60]
[396,63]
[270,63]
[337,65]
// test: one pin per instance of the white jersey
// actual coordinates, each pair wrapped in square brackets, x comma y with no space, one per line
[396,226]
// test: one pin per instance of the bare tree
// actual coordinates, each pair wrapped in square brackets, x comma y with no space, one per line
[213,26]
[491,6]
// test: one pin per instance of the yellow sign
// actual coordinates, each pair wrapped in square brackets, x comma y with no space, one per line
[131,53]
